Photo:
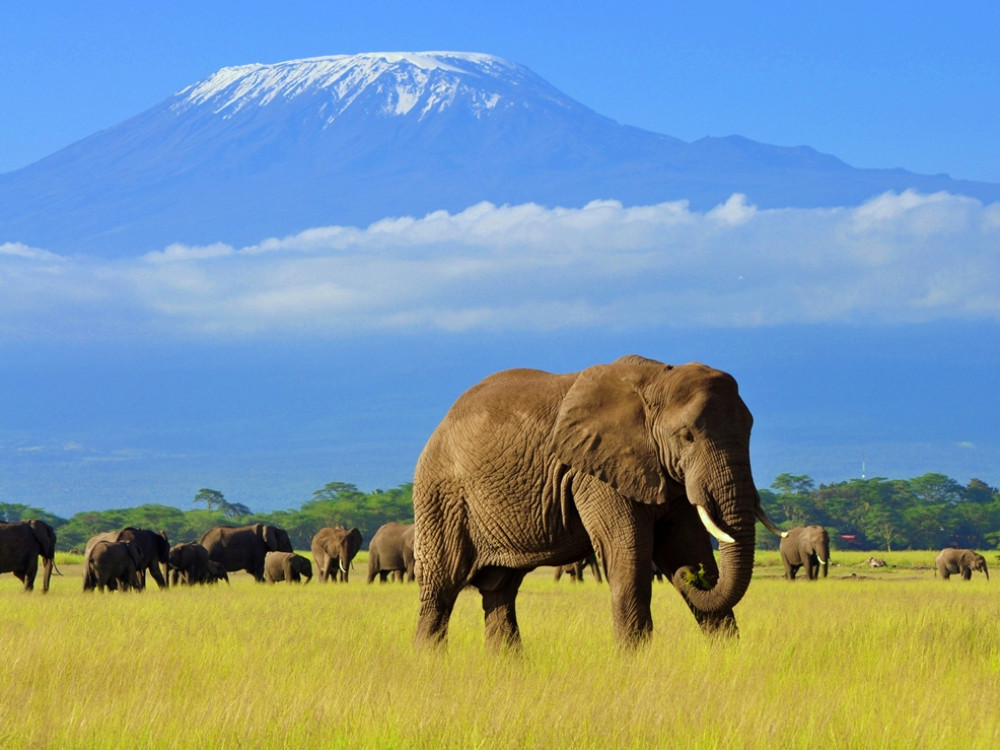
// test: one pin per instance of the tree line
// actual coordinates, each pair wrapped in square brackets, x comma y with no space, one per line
[336,503]
[927,512]
[931,511]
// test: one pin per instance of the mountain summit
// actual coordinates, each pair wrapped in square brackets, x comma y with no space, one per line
[255,151]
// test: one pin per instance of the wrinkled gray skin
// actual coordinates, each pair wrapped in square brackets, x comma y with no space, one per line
[154,547]
[951,561]
[805,546]
[244,547]
[333,550]
[21,544]
[113,565]
[287,566]
[575,570]
[390,553]
[530,468]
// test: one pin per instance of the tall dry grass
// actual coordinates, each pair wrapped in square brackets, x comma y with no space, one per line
[886,659]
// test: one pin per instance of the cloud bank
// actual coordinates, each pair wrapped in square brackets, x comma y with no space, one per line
[897,258]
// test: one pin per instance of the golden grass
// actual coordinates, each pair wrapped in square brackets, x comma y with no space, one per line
[890,659]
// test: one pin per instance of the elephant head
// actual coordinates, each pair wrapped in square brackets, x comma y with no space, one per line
[660,435]
[267,535]
[46,538]
[349,547]
[975,561]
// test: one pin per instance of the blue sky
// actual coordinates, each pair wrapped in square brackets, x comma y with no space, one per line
[857,333]
[893,84]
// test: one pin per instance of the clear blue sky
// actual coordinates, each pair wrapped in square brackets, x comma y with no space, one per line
[878,84]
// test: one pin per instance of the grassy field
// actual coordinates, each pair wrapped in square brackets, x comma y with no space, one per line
[868,658]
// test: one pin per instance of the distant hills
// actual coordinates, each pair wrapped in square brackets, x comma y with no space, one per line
[257,151]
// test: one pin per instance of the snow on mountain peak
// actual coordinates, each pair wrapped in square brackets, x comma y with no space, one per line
[404,79]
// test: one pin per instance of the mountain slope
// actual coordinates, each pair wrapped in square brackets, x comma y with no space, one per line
[267,150]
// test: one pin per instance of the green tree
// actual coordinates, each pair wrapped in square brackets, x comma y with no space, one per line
[212,499]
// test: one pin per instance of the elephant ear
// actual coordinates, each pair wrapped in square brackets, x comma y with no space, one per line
[46,538]
[602,430]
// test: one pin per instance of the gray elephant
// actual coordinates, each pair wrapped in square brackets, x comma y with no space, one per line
[244,547]
[154,547]
[21,544]
[287,566]
[390,552]
[188,564]
[951,561]
[805,546]
[333,550]
[113,565]
[575,570]
[634,460]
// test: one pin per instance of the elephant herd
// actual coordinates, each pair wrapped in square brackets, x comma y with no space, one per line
[122,560]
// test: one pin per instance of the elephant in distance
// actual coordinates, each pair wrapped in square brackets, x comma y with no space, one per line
[634,460]
[333,550]
[244,547]
[113,565]
[287,566]
[951,561]
[21,544]
[154,547]
[189,564]
[575,570]
[390,552]
[805,546]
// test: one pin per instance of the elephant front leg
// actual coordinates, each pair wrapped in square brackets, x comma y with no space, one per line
[681,542]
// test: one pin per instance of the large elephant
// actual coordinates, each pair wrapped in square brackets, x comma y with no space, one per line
[951,561]
[21,544]
[575,570]
[113,565]
[287,566]
[333,550]
[390,552]
[244,547]
[807,546]
[153,546]
[635,460]
[188,563]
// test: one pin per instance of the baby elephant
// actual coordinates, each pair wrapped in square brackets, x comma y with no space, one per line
[950,561]
[287,566]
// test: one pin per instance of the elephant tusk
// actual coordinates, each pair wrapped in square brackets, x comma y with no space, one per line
[714,530]
[340,565]
[769,524]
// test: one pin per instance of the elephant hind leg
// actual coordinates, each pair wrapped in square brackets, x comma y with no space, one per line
[498,587]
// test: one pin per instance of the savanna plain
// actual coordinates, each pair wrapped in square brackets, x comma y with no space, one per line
[866,658]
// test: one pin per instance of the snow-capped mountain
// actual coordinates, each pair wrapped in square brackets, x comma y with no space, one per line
[266,150]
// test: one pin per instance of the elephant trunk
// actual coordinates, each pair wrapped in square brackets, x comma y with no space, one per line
[731,499]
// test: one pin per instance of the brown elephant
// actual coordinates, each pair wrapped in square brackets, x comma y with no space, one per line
[21,544]
[805,546]
[333,550]
[951,561]
[188,564]
[244,547]
[575,570]
[153,546]
[287,566]
[390,552]
[634,460]
[113,565]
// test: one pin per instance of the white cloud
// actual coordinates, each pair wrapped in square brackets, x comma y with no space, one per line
[898,257]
